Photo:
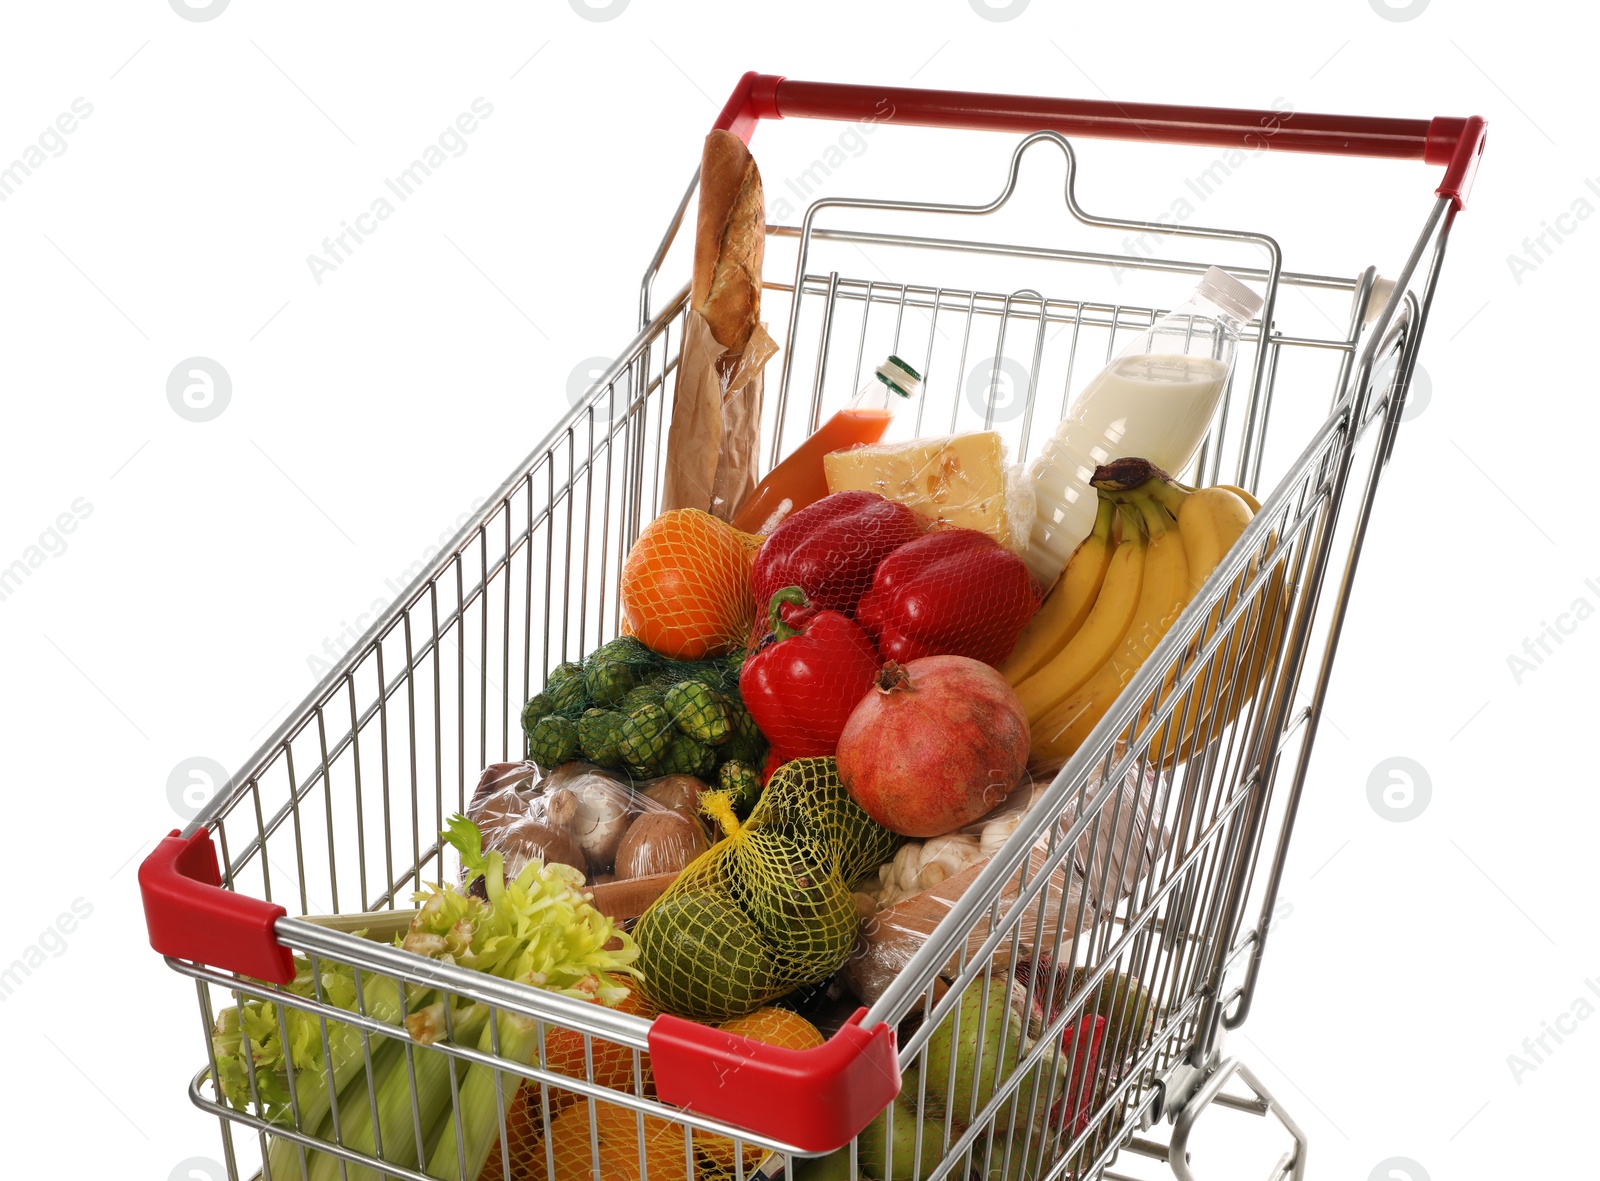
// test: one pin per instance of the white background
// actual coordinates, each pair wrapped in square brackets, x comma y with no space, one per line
[368,411]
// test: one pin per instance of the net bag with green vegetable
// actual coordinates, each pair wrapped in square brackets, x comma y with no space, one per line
[768,909]
[627,708]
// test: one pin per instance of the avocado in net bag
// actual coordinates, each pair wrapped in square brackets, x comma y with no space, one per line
[777,890]
[707,959]
[796,896]
[805,799]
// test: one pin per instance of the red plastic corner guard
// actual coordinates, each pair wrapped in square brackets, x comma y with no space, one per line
[752,100]
[1458,145]
[816,1100]
[191,917]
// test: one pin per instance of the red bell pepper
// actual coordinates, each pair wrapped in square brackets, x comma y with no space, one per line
[953,592]
[830,549]
[804,681]
[1080,1046]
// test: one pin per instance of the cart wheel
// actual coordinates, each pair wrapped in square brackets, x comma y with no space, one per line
[1292,1166]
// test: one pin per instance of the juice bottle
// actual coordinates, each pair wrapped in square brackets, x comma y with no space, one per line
[1154,401]
[800,479]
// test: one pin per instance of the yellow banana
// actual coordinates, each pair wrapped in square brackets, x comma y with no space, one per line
[1238,668]
[1247,497]
[1069,602]
[1162,598]
[1210,521]
[1268,627]
[1102,631]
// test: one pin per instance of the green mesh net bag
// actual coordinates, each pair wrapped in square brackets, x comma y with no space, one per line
[767,909]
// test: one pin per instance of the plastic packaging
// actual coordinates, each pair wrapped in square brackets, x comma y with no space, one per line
[590,819]
[800,479]
[911,893]
[1155,400]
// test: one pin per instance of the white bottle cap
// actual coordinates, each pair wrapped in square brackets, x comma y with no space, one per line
[1229,294]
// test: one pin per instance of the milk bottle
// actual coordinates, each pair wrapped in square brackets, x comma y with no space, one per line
[1155,400]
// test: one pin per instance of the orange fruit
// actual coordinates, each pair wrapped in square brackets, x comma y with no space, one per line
[621,1155]
[613,1067]
[686,586]
[613,1063]
[774,1027]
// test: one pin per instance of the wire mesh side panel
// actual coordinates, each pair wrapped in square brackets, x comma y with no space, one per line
[1010,362]
[1376,404]
[342,811]
[1088,972]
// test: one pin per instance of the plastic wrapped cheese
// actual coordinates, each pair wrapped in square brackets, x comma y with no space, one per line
[962,480]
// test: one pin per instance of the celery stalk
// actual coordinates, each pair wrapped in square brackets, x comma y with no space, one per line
[480,1112]
[394,1106]
[259,1034]
[285,1157]
[381,997]
[538,928]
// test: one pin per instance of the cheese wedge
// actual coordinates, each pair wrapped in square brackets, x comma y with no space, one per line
[958,479]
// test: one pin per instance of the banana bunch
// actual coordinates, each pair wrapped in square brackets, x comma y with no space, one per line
[1120,593]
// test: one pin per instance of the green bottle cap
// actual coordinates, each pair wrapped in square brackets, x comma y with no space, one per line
[900,377]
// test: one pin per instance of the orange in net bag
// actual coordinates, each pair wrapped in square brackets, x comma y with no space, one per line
[608,1145]
[564,1054]
[686,585]
[773,1027]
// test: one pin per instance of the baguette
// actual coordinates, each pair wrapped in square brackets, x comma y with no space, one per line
[730,241]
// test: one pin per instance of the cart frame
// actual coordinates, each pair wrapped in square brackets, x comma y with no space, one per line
[1213,747]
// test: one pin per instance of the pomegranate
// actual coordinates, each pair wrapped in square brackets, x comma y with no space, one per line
[934,745]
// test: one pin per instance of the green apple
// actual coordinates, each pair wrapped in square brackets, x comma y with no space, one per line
[875,1137]
[1123,1002]
[988,1012]
[833,1167]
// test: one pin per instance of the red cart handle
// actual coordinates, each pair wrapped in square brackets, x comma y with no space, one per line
[191,917]
[1456,143]
[816,1100]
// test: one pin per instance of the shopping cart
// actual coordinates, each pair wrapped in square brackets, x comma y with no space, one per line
[338,814]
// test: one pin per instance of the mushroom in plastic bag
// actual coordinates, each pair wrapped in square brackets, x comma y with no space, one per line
[588,818]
